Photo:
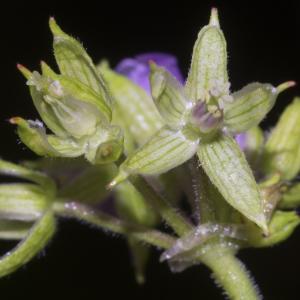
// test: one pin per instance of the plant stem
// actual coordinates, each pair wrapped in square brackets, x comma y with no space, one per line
[105,221]
[170,214]
[230,273]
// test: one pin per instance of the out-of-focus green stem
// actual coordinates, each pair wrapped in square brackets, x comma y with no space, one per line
[171,215]
[108,222]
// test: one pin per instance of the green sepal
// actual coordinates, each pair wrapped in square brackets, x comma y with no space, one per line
[281,226]
[282,149]
[166,150]
[227,168]
[74,62]
[169,97]
[141,118]
[22,201]
[14,230]
[291,197]
[212,205]
[33,135]
[78,90]
[249,107]
[34,242]
[43,108]
[209,60]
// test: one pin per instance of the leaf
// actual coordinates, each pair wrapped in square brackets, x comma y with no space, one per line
[209,60]
[74,62]
[166,150]
[282,149]
[228,170]
[169,97]
[249,107]
[35,241]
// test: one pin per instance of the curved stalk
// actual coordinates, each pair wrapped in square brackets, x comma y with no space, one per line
[108,222]
[171,215]
[230,274]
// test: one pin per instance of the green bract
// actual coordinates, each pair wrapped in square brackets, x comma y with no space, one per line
[75,106]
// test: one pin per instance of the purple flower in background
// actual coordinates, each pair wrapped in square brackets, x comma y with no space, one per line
[241,139]
[137,68]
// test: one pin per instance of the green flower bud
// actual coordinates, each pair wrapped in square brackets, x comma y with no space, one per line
[250,105]
[141,118]
[25,202]
[74,106]
[282,149]
[290,197]
[282,225]
[34,242]
[228,170]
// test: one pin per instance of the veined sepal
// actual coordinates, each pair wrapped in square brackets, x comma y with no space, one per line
[209,61]
[74,62]
[169,97]
[250,105]
[166,150]
[227,168]
[33,135]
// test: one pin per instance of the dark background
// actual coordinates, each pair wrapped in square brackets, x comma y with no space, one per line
[263,44]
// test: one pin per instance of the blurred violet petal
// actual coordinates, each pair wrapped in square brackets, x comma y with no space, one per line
[241,139]
[137,68]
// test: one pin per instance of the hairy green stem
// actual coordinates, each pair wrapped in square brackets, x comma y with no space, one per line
[170,214]
[231,274]
[105,221]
